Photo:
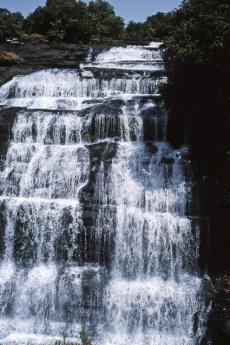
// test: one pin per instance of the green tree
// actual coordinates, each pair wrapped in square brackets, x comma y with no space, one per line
[158,26]
[38,22]
[77,24]
[11,24]
[103,20]
[197,52]
[135,31]
[56,31]
[56,9]
[73,21]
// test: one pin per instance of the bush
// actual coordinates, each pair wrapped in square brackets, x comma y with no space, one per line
[34,38]
[10,58]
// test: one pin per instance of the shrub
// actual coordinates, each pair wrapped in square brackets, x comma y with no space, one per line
[10,58]
[34,38]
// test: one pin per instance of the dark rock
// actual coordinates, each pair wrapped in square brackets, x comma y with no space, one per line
[167,160]
[120,73]
[35,57]
[219,320]
[151,147]
[7,117]
[97,247]
[44,55]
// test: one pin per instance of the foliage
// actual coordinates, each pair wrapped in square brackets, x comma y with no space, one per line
[159,26]
[37,22]
[33,38]
[135,31]
[56,31]
[64,20]
[103,20]
[197,55]
[11,24]
[71,21]
[200,33]
[78,21]
[156,27]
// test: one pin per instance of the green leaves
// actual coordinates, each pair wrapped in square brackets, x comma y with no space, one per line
[201,32]
[103,20]
[11,24]
[71,21]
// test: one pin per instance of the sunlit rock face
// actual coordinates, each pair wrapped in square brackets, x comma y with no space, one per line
[95,204]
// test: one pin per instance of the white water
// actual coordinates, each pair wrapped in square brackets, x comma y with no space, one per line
[96,232]
[71,90]
[133,58]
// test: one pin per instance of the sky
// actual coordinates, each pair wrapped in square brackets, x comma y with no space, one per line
[137,10]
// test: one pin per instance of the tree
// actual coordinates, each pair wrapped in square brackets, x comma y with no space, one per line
[56,31]
[11,24]
[197,50]
[103,20]
[73,21]
[56,6]
[156,27]
[38,21]
[135,31]
[159,26]
[77,24]
[56,9]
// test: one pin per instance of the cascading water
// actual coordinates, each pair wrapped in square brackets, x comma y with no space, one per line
[94,204]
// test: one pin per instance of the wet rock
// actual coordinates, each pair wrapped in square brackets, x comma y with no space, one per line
[44,55]
[151,147]
[7,117]
[98,246]
[167,160]
[154,126]
[219,321]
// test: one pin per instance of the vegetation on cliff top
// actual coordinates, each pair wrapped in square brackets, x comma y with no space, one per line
[11,24]
[74,22]
[71,21]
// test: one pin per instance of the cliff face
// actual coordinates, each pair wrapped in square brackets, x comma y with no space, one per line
[40,56]
[201,120]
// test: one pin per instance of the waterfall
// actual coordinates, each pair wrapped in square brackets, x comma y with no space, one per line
[96,226]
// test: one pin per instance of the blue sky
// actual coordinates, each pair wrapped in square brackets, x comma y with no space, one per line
[136,10]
